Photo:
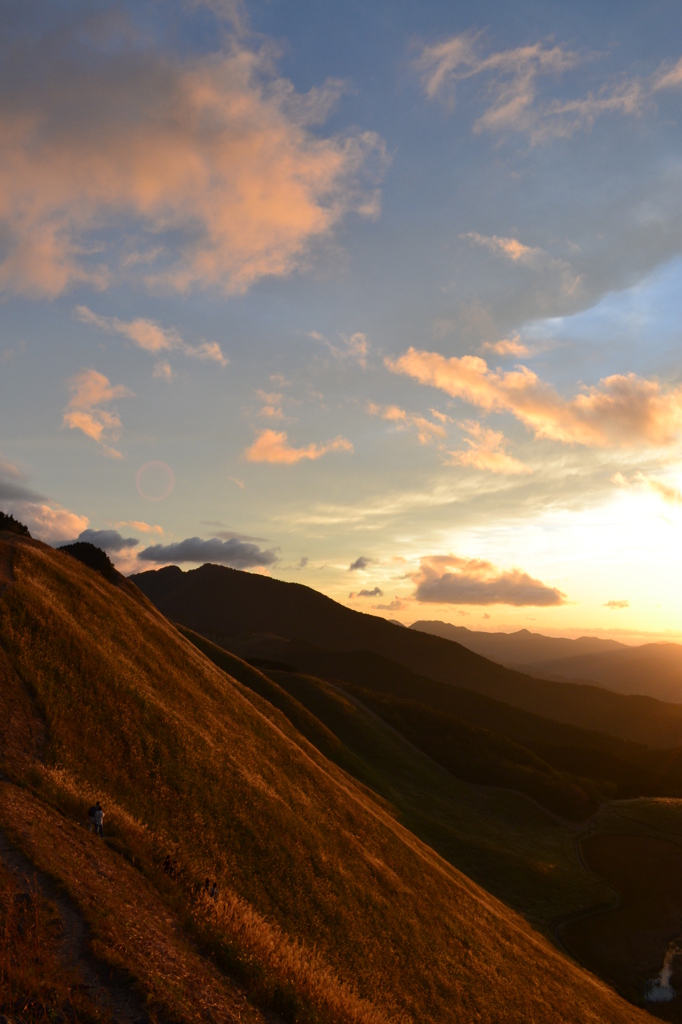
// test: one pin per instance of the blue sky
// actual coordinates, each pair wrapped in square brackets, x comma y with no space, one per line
[395,281]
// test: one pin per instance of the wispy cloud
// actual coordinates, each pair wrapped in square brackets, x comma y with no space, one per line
[163,371]
[90,391]
[506,347]
[450,579]
[640,481]
[210,161]
[615,605]
[530,256]
[486,451]
[513,80]
[354,346]
[272,404]
[623,411]
[426,431]
[669,77]
[139,524]
[151,336]
[273,446]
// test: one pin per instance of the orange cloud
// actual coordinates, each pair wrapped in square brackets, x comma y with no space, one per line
[624,411]
[615,605]
[506,347]
[272,405]
[273,446]
[51,524]
[150,336]
[486,451]
[210,162]
[89,391]
[670,494]
[426,431]
[450,579]
[138,524]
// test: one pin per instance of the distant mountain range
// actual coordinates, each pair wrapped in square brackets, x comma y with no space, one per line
[651,669]
[260,617]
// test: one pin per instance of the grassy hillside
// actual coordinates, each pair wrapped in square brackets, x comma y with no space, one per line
[329,909]
[502,840]
[223,604]
[597,765]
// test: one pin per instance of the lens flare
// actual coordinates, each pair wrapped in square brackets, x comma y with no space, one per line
[154,481]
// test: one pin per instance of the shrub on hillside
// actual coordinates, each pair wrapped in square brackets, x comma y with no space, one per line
[12,525]
[91,556]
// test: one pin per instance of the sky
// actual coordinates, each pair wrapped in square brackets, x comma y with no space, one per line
[379,298]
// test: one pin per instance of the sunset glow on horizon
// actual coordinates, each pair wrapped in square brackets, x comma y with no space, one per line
[382,299]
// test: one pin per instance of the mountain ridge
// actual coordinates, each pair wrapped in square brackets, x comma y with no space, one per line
[187,760]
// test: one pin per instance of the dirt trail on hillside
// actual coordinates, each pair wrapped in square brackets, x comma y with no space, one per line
[111,994]
[6,560]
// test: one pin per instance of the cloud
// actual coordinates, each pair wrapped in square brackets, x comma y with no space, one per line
[426,431]
[52,525]
[109,540]
[368,593]
[395,606]
[670,77]
[360,563]
[513,79]
[613,605]
[532,257]
[139,524]
[486,451]
[273,446]
[89,391]
[354,346]
[150,336]
[670,494]
[234,552]
[43,520]
[449,579]
[506,347]
[272,404]
[624,411]
[12,484]
[207,165]
[163,371]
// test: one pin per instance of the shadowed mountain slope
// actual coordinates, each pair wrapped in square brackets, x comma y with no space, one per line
[328,908]
[504,841]
[222,604]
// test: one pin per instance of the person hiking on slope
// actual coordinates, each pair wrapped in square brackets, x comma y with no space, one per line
[91,818]
[99,820]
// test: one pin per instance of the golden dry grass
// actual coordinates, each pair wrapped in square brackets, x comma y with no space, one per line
[36,985]
[353,917]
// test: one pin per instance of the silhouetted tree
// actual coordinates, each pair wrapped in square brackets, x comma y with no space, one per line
[91,556]
[12,525]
